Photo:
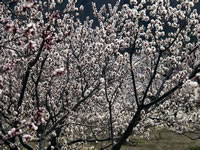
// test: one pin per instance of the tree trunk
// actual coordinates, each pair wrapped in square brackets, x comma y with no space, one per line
[111,125]
[135,120]
[42,142]
[53,140]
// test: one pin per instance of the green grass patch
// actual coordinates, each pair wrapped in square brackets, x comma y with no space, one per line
[195,148]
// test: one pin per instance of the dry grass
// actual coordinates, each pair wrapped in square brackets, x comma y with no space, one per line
[159,140]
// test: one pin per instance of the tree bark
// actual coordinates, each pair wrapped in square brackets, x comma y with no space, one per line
[135,120]
[42,142]
[111,125]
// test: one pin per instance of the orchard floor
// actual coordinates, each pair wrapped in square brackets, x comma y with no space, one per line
[162,140]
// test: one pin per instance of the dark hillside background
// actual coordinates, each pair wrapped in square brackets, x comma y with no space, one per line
[88,11]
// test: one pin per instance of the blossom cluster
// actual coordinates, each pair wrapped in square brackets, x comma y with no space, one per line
[65,82]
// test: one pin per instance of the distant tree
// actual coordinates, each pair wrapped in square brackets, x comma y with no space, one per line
[64,82]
